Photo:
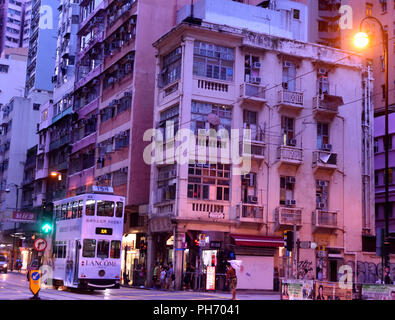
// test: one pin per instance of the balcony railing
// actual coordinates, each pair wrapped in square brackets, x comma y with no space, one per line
[252,149]
[290,155]
[253,92]
[324,159]
[249,213]
[324,219]
[58,143]
[327,105]
[286,216]
[290,99]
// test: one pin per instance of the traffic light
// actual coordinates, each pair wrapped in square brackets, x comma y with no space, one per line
[289,240]
[46,218]
[143,245]
[196,242]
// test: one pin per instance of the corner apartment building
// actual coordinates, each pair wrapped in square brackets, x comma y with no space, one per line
[14,23]
[300,101]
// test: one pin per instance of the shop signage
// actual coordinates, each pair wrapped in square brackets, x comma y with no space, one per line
[19,216]
[297,290]
[210,278]
[216,215]
[378,292]
[331,291]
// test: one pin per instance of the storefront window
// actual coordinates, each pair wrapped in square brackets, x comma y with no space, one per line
[88,248]
[105,208]
[102,249]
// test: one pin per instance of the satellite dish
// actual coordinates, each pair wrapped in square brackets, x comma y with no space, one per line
[213,119]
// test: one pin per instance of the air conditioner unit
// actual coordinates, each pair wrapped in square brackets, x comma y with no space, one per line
[292,142]
[290,180]
[290,202]
[256,80]
[321,205]
[257,65]
[327,147]
[322,71]
[252,199]
[322,183]
[287,64]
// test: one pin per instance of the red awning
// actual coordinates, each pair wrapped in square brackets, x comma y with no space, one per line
[257,241]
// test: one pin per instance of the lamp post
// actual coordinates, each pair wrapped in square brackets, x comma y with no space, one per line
[17,188]
[361,40]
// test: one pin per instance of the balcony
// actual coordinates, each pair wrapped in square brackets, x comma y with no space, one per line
[325,160]
[249,213]
[252,149]
[213,88]
[169,93]
[97,38]
[87,75]
[286,217]
[326,106]
[59,143]
[324,220]
[290,155]
[164,208]
[290,100]
[253,93]
[206,211]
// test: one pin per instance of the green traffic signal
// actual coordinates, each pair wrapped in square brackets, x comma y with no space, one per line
[46,228]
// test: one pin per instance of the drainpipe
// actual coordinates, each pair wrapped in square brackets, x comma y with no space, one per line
[268,176]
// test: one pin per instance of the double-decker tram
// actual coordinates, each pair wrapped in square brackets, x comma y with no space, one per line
[87,243]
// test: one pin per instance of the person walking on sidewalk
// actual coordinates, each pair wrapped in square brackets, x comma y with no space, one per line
[170,277]
[231,279]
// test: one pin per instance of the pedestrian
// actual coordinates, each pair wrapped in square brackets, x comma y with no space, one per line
[387,276]
[163,278]
[155,277]
[231,279]
[187,276]
[170,277]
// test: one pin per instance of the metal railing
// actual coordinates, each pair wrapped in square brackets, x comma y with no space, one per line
[291,97]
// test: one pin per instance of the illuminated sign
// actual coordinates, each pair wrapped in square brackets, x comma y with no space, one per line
[106,231]
[210,278]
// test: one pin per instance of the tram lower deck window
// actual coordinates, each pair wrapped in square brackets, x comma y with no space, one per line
[115,252]
[89,248]
[102,248]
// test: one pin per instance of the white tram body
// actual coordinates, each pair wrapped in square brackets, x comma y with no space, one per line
[87,243]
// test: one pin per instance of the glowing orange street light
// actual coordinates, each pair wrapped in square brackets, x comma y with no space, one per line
[361,40]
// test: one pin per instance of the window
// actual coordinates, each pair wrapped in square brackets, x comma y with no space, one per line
[390,175]
[286,189]
[90,208]
[213,61]
[322,187]
[383,93]
[115,252]
[105,208]
[250,122]
[171,68]
[369,8]
[289,72]
[322,134]
[166,183]
[59,249]
[70,210]
[376,145]
[36,106]
[383,5]
[168,124]
[4,68]
[102,249]
[208,181]
[251,68]
[89,248]
[75,210]
[296,14]
[119,209]
[288,130]
[323,81]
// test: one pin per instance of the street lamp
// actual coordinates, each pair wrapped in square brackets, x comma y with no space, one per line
[17,188]
[361,40]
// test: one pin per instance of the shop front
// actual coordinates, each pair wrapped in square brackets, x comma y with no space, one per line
[256,254]
[133,259]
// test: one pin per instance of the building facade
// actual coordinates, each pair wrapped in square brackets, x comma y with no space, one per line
[300,158]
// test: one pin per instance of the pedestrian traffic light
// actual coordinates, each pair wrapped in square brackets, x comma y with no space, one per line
[289,240]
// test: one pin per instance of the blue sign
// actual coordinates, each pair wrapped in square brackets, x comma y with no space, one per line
[35,275]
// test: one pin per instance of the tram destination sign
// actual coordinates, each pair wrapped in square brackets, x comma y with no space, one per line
[104,231]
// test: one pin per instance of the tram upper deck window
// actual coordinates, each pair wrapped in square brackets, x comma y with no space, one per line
[69,210]
[58,213]
[119,210]
[89,248]
[80,208]
[102,249]
[75,210]
[64,212]
[105,208]
[90,208]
